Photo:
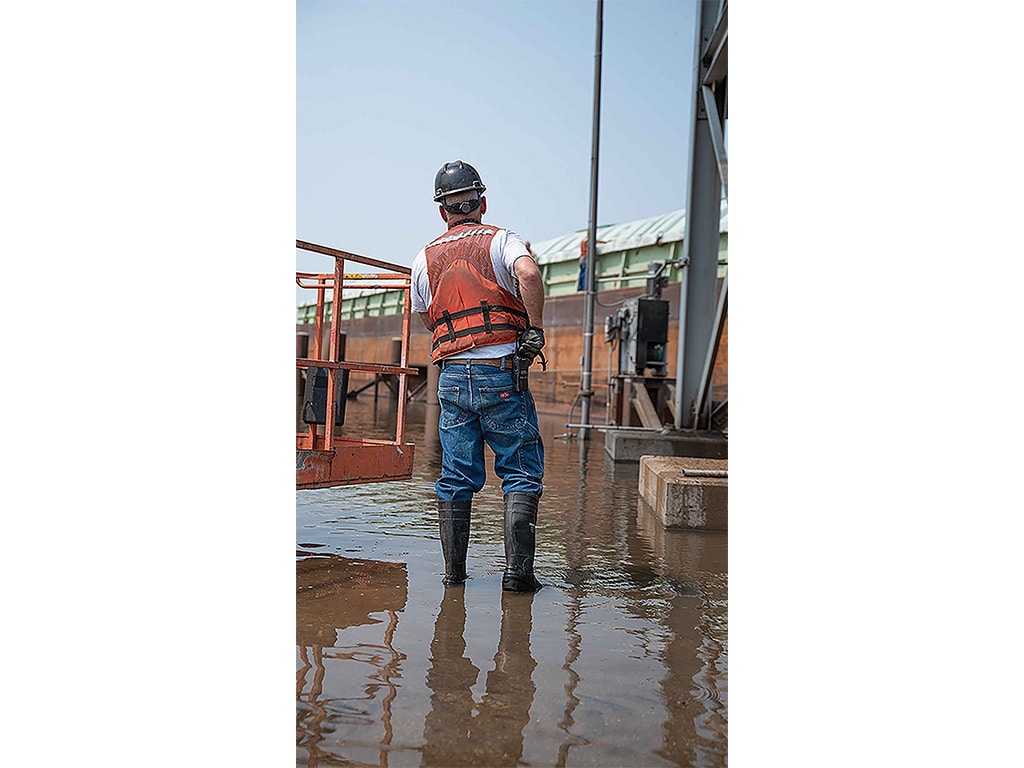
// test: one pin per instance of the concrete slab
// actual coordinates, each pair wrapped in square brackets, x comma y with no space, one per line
[630,445]
[686,492]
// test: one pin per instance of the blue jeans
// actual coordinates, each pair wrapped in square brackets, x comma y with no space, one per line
[478,406]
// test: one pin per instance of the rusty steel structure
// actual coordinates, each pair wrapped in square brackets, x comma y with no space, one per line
[323,456]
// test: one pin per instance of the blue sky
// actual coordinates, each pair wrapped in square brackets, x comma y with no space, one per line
[387,91]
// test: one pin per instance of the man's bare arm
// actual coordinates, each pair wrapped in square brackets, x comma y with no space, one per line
[425,317]
[531,289]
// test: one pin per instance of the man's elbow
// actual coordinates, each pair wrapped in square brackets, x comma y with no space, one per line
[527,272]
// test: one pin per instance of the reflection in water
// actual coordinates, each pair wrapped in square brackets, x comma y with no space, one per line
[457,732]
[335,592]
[575,537]
[629,665]
[451,676]
[695,657]
[566,722]
[332,594]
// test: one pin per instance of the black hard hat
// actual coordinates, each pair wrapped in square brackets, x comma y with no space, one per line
[455,177]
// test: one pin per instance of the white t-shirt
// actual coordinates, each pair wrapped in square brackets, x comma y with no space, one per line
[506,248]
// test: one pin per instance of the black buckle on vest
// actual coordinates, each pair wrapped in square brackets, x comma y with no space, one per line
[487,315]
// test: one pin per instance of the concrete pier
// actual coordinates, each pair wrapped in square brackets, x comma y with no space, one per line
[631,444]
[686,492]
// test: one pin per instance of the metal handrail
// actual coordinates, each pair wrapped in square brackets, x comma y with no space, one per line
[401,280]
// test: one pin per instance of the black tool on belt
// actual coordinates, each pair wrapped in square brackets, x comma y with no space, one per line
[531,341]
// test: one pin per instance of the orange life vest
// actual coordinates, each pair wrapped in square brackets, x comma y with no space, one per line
[468,308]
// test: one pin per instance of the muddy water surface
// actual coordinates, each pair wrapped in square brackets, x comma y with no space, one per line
[620,660]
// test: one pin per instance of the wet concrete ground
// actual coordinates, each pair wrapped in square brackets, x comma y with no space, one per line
[620,660]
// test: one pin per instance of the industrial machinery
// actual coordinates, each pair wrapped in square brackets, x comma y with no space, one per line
[639,329]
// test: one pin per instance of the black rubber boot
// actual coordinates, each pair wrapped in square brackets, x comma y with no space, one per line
[453,519]
[520,541]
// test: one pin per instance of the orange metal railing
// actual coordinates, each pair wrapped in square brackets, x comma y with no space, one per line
[325,458]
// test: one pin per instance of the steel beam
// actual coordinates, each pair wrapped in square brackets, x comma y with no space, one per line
[716,41]
[716,54]
[717,136]
[702,410]
[703,211]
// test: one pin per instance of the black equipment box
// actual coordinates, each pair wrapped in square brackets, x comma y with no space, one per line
[314,400]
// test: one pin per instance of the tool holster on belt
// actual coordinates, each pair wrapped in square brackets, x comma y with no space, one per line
[520,373]
[530,343]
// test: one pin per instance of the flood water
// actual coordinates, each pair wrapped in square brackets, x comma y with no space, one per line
[620,660]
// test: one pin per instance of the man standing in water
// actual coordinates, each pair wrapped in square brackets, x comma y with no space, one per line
[480,293]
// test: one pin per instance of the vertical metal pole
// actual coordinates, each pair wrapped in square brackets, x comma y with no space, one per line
[586,391]
[680,417]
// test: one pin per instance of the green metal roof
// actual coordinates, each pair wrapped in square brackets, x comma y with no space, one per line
[656,230]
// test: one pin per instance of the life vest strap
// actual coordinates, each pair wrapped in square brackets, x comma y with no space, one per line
[451,327]
[489,308]
[475,329]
